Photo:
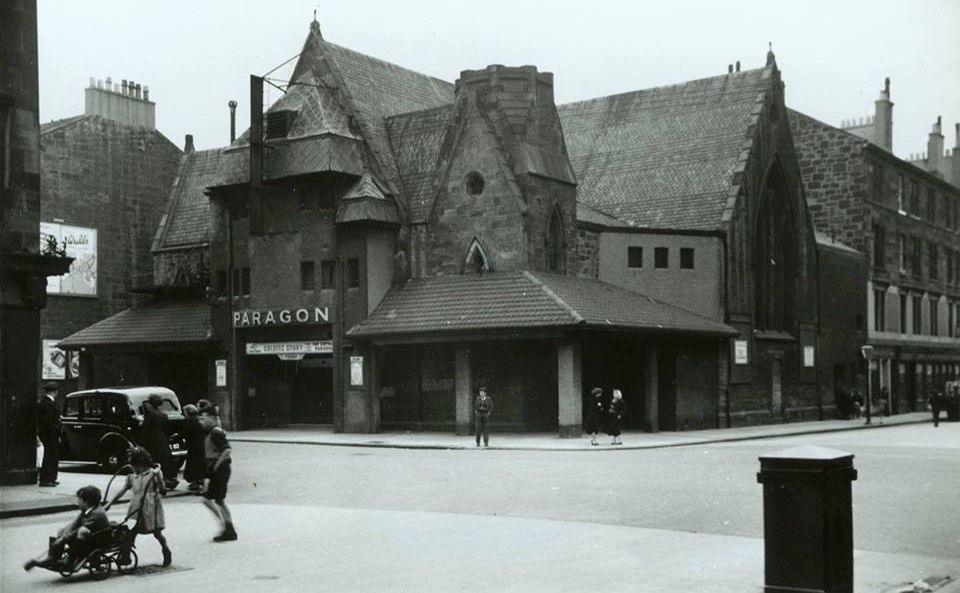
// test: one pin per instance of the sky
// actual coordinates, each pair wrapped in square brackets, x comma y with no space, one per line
[197,55]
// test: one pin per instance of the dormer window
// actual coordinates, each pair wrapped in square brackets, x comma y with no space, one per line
[279,122]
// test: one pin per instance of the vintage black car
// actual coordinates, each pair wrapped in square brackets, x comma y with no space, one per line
[102,424]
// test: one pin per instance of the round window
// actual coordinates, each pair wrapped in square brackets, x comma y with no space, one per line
[474,183]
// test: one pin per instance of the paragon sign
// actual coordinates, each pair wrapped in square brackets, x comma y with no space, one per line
[271,317]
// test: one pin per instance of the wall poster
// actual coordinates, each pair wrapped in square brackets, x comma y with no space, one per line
[54,361]
[80,244]
[740,352]
[356,371]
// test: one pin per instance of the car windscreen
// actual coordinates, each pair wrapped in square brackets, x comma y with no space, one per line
[170,406]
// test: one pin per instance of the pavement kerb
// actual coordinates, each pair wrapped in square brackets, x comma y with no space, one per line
[625,447]
[60,504]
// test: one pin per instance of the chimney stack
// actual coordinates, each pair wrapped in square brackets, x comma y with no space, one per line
[884,118]
[233,120]
[146,93]
[935,149]
[738,65]
[188,144]
[121,102]
[729,68]
[955,159]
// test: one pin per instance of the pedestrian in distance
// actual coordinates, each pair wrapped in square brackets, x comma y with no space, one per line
[218,459]
[936,405]
[595,411]
[615,411]
[79,537]
[147,488]
[155,439]
[482,408]
[194,470]
[48,431]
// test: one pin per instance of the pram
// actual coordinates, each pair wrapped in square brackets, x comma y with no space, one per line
[111,545]
[108,548]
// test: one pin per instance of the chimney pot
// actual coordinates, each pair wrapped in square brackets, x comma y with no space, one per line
[93,83]
[109,82]
[188,144]
[738,65]
[146,93]
[123,87]
[729,68]
[957,128]
[233,120]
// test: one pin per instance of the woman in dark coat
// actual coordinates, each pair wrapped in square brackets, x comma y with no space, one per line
[155,441]
[615,416]
[195,469]
[595,410]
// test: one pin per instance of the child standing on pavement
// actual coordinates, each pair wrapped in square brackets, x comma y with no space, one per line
[146,504]
[217,456]
[615,416]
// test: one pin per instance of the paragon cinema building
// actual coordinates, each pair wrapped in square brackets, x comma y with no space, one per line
[380,243]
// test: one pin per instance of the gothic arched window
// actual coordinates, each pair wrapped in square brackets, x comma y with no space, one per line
[775,257]
[476,260]
[554,248]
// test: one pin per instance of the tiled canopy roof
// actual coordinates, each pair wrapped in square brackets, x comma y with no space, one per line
[156,322]
[523,300]
[664,157]
[187,220]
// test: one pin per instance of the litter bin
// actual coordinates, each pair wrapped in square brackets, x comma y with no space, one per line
[807,520]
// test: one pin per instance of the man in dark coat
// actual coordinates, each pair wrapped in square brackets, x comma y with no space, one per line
[482,408]
[155,439]
[937,403]
[48,430]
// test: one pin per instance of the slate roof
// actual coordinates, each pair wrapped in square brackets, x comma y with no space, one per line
[156,322]
[416,139]
[331,83]
[187,221]
[590,215]
[665,157]
[825,240]
[523,300]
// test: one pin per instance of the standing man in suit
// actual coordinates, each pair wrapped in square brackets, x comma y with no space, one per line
[48,429]
[482,408]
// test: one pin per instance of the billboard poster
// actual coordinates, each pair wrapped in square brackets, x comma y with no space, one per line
[54,361]
[80,244]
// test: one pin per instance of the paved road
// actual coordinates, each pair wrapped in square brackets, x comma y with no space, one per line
[680,519]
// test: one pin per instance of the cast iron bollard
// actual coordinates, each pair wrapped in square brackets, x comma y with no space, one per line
[807,520]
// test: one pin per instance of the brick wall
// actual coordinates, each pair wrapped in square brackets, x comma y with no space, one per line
[115,179]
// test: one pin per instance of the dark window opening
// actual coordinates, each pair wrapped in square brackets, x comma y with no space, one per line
[353,273]
[245,282]
[236,282]
[686,258]
[220,288]
[474,183]
[307,277]
[916,256]
[879,309]
[934,261]
[278,123]
[555,246]
[903,313]
[775,257]
[634,257]
[914,198]
[328,276]
[6,133]
[934,315]
[917,314]
[931,205]
[879,246]
[661,257]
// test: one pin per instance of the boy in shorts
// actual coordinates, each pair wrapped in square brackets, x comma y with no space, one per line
[216,450]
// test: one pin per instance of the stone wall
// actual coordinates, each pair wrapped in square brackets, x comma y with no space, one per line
[588,253]
[116,179]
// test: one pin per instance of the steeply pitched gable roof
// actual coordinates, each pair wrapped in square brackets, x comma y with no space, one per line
[503,301]
[417,139]
[187,221]
[665,157]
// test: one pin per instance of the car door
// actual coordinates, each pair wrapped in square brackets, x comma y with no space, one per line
[70,421]
[91,427]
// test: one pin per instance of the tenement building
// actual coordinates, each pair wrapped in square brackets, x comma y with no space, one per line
[906,219]
[381,243]
[105,179]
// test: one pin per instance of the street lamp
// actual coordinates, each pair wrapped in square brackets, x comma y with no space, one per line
[867,350]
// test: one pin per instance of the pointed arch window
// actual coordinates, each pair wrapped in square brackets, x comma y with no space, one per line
[476,260]
[775,257]
[555,246]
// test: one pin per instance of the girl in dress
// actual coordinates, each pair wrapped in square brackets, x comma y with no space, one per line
[615,416]
[147,487]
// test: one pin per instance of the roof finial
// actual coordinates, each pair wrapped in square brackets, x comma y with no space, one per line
[315,25]
[771,59]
